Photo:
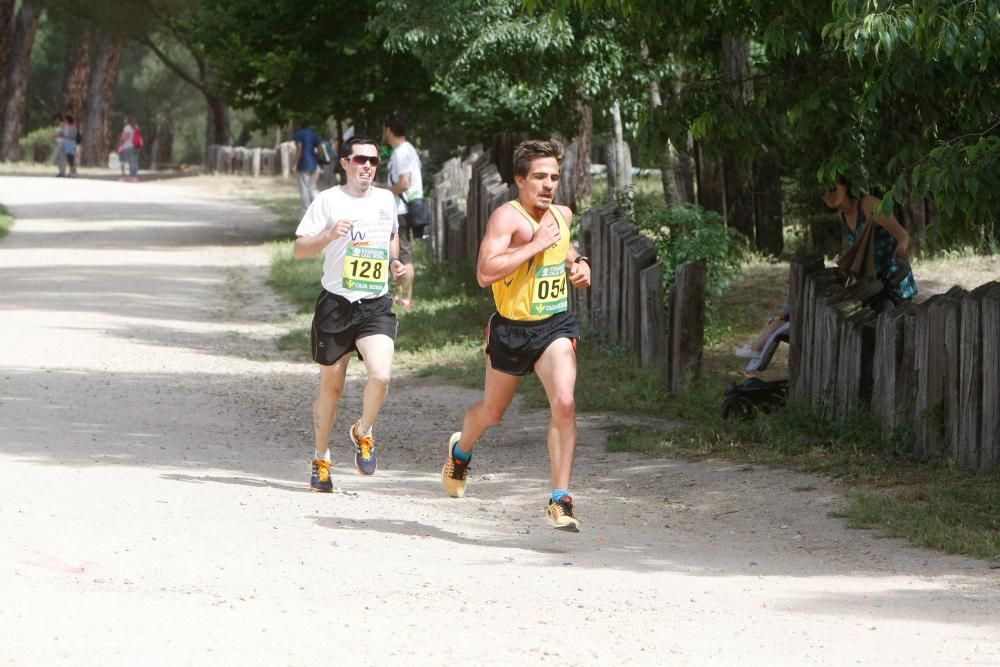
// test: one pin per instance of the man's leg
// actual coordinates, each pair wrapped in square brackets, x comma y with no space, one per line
[304,190]
[378,351]
[133,162]
[498,394]
[556,369]
[313,184]
[331,387]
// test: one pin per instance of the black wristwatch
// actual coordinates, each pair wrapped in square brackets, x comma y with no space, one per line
[583,258]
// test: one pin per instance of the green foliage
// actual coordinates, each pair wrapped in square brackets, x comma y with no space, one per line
[502,69]
[38,146]
[309,60]
[901,98]
[686,233]
[6,221]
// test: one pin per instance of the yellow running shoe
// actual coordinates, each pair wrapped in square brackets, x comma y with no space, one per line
[560,515]
[454,474]
[321,481]
[365,461]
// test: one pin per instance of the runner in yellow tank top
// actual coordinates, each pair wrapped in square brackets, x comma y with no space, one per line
[527,258]
[536,289]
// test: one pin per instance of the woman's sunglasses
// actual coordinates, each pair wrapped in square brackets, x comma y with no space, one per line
[361,159]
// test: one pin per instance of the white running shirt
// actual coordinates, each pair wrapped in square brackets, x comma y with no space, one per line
[355,266]
[404,159]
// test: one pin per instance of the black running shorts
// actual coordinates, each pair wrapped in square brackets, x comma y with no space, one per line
[338,323]
[514,346]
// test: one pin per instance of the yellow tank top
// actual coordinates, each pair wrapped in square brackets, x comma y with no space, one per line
[536,289]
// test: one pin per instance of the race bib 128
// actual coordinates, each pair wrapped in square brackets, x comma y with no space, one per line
[366,269]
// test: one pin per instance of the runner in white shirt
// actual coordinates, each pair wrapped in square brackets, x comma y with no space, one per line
[355,226]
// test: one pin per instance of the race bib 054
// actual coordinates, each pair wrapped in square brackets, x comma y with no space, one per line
[549,296]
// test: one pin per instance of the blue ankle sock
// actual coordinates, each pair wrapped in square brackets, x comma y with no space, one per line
[460,454]
[559,494]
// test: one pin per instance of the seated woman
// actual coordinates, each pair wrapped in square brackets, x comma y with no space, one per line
[891,245]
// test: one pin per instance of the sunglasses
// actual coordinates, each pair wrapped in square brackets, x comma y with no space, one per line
[361,159]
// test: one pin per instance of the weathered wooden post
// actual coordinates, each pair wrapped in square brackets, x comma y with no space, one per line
[687,324]
[799,271]
[621,233]
[640,252]
[894,388]
[989,458]
[653,325]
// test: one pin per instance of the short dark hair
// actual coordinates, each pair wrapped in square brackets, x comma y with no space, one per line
[396,122]
[69,118]
[355,141]
[531,150]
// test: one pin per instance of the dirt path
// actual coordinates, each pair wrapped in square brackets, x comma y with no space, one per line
[154,504]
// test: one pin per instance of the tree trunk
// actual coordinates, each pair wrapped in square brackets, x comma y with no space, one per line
[16,89]
[620,177]
[711,192]
[767,200]
[6,43]
[685,169]
[737,174]
[914,218]
[581,184]
[76,76]
[98,138]
[217,130]
[666,157]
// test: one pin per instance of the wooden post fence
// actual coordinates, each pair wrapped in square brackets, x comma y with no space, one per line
[928,372]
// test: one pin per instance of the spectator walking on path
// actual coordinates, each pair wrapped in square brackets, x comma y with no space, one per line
[60,154]
[69,131]
[527,258]
[306,165]
[407,184]
[354,225]
[129,150]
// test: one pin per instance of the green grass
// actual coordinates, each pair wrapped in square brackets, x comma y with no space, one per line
[6,221]
[957,514]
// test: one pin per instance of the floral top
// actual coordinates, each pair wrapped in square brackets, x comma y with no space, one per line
[885,265]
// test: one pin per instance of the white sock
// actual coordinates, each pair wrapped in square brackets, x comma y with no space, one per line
[325,456]
[366,431]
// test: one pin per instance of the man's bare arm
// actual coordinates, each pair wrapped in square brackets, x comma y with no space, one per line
[307,246]
[402,185]
[496,257]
